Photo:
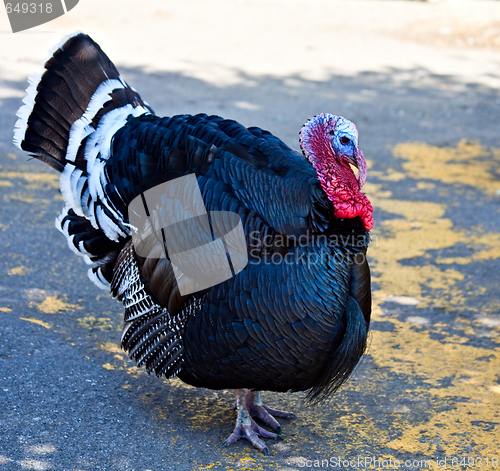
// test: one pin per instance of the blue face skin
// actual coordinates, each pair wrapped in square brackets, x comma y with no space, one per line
[343,145]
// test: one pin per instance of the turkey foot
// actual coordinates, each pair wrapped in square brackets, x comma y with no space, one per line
[264,413]
[249,404]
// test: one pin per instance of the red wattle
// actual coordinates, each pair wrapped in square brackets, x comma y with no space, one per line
[356,205]
[342,188]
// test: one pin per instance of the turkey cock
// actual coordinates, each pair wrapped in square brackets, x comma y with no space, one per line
[295,318]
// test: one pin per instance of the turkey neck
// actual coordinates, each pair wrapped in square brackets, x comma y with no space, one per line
[342,189]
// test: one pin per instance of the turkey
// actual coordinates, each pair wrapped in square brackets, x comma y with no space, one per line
[294,317]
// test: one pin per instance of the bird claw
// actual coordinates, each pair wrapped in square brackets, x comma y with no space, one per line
[250,406]
[264,416]
[279,413]
[253,433]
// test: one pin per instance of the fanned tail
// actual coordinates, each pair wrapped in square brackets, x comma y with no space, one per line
[71,112]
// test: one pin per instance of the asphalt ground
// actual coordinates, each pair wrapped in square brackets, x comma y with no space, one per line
[421,81]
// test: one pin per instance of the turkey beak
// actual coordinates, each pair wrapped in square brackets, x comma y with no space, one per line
[357,160]
[360,164]
[351,160]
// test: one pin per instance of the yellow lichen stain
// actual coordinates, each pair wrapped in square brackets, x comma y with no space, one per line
[135,371]
[12,156]
[208,411]
[108,366]
[5,309]
[469,163]
[210,466]
[246,462]
[100,323]
[54,305]
[111,347]
[36,321]
[390,176]
[120,355]
[160,413]
[20,271]
[177,383]
[419,228]
[472,404]
[35,180]
[239,461]
[25,198]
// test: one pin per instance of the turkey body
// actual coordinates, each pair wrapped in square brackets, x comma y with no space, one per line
[275,324]
[295,318]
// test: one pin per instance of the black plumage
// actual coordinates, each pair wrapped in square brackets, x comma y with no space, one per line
[300,324]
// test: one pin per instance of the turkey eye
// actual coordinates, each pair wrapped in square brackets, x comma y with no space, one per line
[344,140]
